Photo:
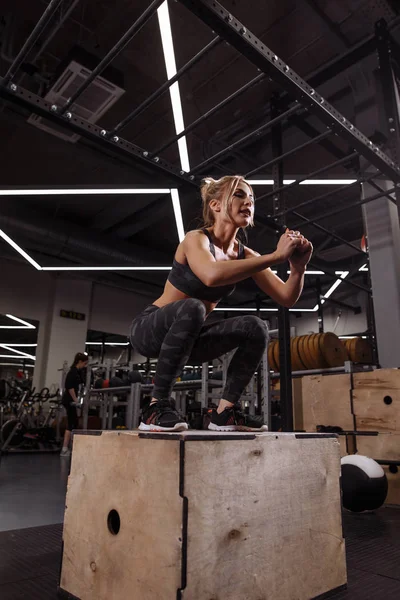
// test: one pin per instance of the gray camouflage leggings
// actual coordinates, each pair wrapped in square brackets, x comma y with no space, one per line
[176,335]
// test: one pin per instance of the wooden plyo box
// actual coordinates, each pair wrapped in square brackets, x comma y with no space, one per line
[203,516]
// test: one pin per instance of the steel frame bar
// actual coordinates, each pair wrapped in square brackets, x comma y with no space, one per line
[165,86]
[209,113]
[291,186]
[379,189]
[333,234]
[91,131]
[332,213]
[115,50]
[246,138]
[346,281]
[272,162]
[334,192]
[36,33]
[320,311]
[224,24]
[283,313]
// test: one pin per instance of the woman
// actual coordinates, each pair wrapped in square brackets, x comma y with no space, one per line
[206,269]
[72,382]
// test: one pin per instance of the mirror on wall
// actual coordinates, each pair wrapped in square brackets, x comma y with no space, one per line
[18,345]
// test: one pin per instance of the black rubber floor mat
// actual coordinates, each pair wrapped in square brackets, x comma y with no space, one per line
[26,554]
[41,588]
[30,559]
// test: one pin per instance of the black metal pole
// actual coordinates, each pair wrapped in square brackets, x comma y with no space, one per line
[289,188]
[283,313]
[260,366]
[370,310]
[27,47]
[163,88]
[103,348]
[209,113]
[272,162]
[320,306]
[115,50]
[341,209]
[246,138]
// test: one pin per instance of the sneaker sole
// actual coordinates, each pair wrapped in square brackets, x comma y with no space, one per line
[214,427]
[176,427]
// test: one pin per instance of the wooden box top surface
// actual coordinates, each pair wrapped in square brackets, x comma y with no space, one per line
[200,435]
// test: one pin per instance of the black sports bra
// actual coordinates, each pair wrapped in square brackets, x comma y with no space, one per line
[182,277]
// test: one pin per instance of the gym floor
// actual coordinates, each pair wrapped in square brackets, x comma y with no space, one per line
[32,495]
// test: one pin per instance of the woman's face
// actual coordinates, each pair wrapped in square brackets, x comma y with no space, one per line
[242,209]
[82,365]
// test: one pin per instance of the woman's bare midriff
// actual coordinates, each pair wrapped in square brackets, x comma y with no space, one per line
[172,294]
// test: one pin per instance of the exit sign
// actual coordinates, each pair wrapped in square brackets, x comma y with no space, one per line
[71,314]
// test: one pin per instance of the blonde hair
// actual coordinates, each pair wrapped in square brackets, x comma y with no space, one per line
[220,189]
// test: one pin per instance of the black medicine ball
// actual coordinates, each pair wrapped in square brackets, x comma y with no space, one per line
[364,483]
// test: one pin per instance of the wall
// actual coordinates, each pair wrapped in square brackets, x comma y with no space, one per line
[113,309]
[24,291]
[31,294]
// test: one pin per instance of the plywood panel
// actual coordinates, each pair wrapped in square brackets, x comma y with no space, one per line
[379,379]
[373,413]
[140,479]
[264,518]
[326,401]
[385,446]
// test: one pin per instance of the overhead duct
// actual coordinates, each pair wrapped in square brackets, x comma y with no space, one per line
[66,237]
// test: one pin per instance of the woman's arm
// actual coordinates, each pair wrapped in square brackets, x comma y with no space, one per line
[216,273]
[73,395]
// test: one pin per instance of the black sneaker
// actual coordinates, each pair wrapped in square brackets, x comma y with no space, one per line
[232,419]
[162,416]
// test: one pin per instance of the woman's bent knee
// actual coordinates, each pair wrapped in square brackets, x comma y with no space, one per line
[192,307]
[257,326]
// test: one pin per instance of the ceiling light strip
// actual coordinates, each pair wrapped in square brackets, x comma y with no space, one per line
[84,192]
[22,252]
[18,352]
[170,64]
[27,325]
[178,214]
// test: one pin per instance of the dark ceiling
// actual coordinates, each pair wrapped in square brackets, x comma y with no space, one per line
[140,229]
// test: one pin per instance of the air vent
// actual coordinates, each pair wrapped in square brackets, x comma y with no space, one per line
[91,105]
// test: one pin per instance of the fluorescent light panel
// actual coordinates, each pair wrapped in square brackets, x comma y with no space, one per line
[240,309]
[6,347]
[170,64]
[22,252]
[20,345]
[106,268]
[14,364]
[305,182]
[24,325]
[83,192]
[178,213]
[107,343]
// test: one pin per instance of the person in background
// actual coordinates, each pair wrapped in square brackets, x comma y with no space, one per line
[70,398]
